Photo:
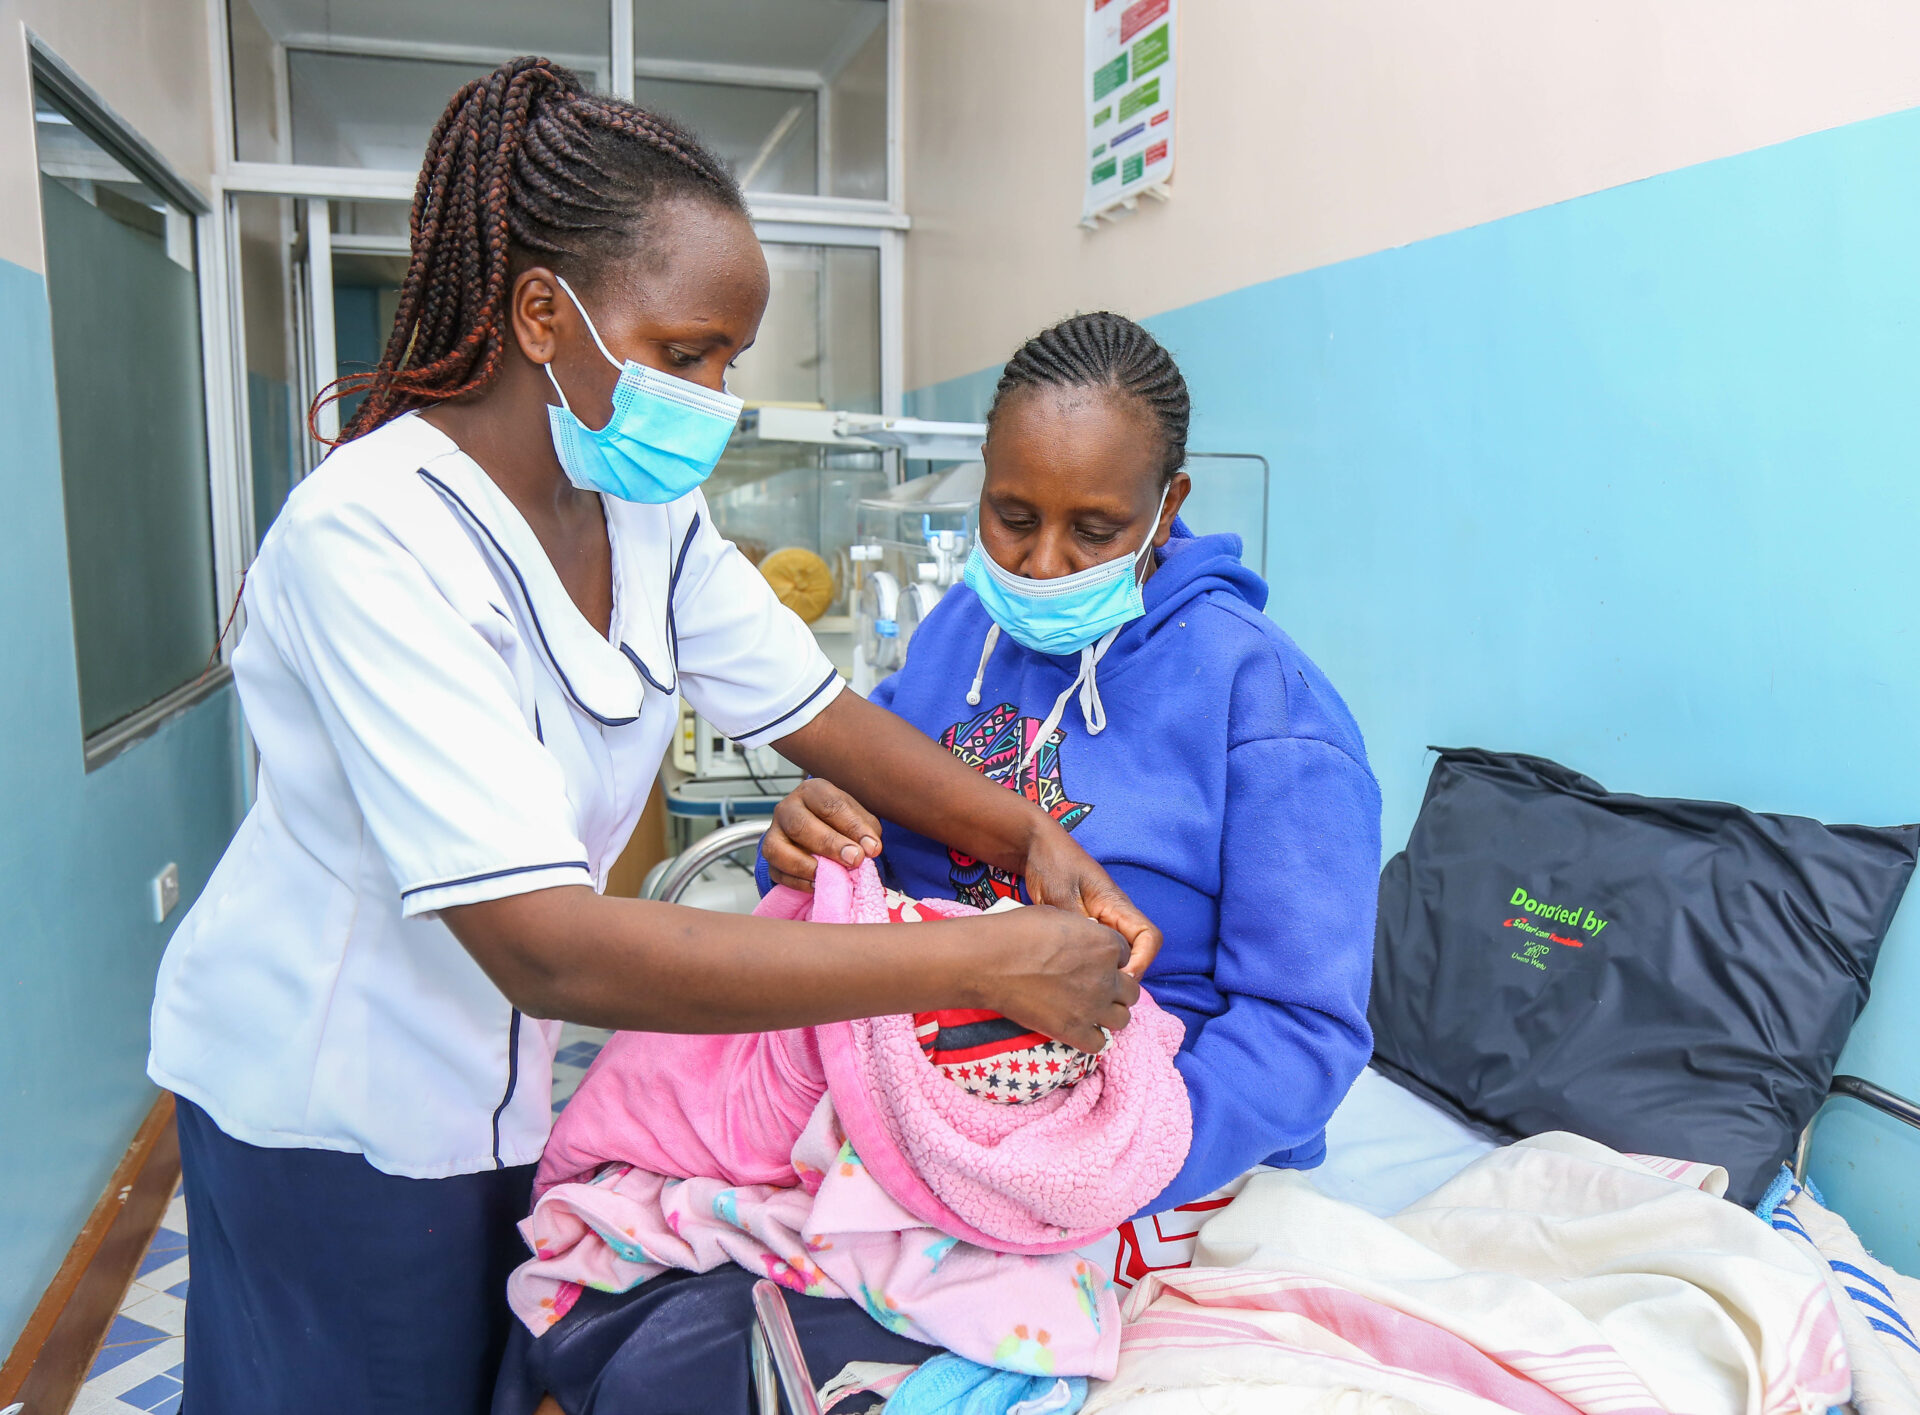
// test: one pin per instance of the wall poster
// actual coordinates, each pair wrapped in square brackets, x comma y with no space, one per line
[1129,94]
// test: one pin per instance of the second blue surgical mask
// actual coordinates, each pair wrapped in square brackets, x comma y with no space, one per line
[662,441]
[1063,615]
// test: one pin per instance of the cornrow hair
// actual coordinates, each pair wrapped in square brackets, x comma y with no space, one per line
[525,162]
[1105,350]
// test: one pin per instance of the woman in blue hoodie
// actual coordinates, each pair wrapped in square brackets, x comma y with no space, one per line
[1119,670]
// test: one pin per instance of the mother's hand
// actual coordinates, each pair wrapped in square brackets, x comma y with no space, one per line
[817,818]
[1060,873]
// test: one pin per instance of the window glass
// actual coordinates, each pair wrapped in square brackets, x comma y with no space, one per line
[259,117]
[359,83]
[819,343]
[857,126]
[366,297]
[279,452]
[792,93]
[285,365]
[125,302]
[352,110]
[770,137]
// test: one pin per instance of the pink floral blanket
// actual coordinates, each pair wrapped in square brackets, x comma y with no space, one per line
[840,1162]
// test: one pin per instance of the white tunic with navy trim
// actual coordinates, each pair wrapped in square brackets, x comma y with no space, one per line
[438,725]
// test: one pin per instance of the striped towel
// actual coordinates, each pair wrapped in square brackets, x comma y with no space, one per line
[1877,1306]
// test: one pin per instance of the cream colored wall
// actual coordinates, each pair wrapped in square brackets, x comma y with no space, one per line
[1311,132]
[148,59]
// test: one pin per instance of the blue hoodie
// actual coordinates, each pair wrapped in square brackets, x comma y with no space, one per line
[1229,795]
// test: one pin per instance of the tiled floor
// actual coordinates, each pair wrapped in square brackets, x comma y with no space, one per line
[138,1367]
[578,1047]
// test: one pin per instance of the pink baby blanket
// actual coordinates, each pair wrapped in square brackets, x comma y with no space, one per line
[840,1161]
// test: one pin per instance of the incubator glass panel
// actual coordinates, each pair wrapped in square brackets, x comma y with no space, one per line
[818,347]
[910,548]
[1230,493]
[124,294]
[793,93]
[359,83]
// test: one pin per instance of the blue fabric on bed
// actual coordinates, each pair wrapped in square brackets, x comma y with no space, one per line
[953,1385]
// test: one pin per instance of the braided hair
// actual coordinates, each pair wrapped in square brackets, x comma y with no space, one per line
[1106,350]
[525,162]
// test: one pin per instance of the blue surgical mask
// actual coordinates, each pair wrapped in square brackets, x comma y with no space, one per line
[662,441]
[1067,614]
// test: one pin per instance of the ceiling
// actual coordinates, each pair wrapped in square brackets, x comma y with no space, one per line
[816,35]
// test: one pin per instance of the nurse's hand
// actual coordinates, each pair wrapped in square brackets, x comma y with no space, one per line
[1056,972]
[817,818]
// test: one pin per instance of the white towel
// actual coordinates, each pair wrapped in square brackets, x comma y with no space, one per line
[1553,1276]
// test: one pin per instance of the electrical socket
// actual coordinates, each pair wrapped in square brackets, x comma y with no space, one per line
[166,892]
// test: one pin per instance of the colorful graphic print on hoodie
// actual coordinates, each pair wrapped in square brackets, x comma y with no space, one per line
[992,743]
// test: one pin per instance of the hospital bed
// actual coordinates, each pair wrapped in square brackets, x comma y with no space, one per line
[1386,1147]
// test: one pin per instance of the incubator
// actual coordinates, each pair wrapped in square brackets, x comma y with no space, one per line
[829,507]
[773,499]
[912,548]
[822,503]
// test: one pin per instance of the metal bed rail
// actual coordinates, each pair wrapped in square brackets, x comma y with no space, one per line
[1879,1097]
[1857,1088]
[683,869]
[779,1365]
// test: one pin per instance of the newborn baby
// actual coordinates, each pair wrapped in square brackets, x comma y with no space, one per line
[986,1053]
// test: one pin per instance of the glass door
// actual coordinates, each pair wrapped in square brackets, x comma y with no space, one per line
[316,284]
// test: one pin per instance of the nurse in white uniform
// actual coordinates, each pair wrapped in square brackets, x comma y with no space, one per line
[465,634]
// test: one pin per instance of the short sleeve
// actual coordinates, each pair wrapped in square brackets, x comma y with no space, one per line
[455,787]
[747,663]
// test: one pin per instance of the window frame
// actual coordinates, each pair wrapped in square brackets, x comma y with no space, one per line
[825,220]
[95,117]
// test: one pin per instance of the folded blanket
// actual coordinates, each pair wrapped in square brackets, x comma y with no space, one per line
[842,1162]
[1552,1276]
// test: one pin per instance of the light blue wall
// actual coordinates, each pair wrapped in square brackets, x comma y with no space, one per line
[1632,482]
[78,945]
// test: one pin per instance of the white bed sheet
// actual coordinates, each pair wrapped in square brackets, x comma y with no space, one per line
[1387,1147]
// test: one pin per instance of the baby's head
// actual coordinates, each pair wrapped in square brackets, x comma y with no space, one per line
[989,1055]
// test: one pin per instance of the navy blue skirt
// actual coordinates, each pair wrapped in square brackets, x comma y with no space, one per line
[680,1345]
[321,1285]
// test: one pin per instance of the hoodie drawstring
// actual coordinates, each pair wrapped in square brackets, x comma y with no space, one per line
[973,693]
[1091,708]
